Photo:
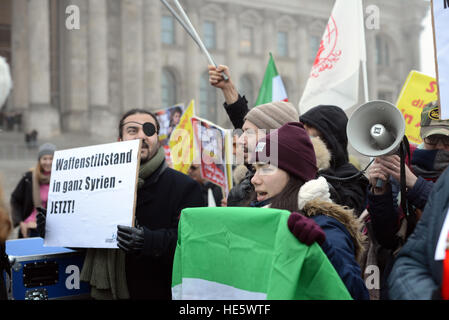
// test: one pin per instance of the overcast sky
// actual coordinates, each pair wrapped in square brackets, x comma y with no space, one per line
[427,50]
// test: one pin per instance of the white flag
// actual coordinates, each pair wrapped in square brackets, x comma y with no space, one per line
[334,78]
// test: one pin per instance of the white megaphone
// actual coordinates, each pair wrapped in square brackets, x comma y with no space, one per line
[376,128]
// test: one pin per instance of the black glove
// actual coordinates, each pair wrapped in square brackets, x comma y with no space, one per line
[130,239]
[41,218]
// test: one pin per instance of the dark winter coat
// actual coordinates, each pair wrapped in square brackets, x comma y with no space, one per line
[416,274]
[22,199]
[331,121]
[243,193]
[216,192]
[159,203]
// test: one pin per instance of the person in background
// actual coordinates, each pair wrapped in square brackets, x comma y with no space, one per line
[5,229]
[291,184]
[389,225]
[417,273]
[195,173]
[329,123]
[32,192]
[255,124]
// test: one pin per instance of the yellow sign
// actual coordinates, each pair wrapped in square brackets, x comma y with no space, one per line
[418,90]
[181,141]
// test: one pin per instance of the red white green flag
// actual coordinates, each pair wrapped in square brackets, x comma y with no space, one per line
[272,88]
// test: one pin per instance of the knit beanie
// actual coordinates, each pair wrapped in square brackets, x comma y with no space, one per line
[294,150]
[46,149]
[272,115]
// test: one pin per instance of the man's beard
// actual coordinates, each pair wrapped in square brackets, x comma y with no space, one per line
[150,154]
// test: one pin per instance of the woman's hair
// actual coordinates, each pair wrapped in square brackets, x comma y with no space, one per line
[287,199]
[5,222]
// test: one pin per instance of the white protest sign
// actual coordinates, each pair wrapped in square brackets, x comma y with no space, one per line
[440,14]
[92,190]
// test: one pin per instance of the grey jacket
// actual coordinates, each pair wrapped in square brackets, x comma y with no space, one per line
[416,274]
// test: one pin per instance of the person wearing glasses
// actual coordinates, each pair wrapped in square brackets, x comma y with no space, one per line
[427,163]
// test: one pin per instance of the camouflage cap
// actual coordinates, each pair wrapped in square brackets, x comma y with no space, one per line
[431,123]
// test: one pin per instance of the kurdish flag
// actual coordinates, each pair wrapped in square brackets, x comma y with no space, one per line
[248,253]
[272,88]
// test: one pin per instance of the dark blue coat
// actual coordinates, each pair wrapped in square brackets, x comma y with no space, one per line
[340,251]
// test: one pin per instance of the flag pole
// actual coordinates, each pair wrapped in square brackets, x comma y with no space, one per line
[195,36]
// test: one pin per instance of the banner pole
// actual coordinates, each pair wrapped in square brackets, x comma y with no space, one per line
[199,41]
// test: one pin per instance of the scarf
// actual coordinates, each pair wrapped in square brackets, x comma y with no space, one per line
[38,178]
[104,269]
[150,166]
[429,164]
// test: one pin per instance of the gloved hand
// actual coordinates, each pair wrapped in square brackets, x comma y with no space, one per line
[41,219]
[130,239]
[305,229]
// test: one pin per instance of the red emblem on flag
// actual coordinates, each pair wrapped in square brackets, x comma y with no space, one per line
[327,54]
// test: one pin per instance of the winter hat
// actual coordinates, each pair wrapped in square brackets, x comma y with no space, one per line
[431,123]
[46,149]
[331,122]
[272,115]
[290,149]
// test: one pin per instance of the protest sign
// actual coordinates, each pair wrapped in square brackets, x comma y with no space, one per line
[92,190]
[210,144]
[440,20]
[168,119]
[181,141]
[418,90]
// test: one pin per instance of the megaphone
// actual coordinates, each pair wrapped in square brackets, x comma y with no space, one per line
[376,128]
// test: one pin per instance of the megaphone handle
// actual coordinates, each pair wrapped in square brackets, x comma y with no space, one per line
[379,183]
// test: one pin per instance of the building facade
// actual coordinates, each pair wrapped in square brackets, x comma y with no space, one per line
[77,65]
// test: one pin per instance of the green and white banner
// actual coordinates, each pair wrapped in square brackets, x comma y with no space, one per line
[248,253]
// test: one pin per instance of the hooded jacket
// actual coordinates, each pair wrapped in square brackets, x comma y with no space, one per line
[331,122]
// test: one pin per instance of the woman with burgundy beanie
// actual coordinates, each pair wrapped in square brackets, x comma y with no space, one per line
[32,192]
[285,178]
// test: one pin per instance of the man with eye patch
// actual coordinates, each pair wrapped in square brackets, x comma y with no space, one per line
[162,194]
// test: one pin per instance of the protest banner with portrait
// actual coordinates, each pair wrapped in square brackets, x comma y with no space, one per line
[168,119]
[92,190]
[181,141]
[211,147]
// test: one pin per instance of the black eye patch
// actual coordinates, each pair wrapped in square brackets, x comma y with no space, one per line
[149,129]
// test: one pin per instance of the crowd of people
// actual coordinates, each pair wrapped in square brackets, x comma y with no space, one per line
[356,222]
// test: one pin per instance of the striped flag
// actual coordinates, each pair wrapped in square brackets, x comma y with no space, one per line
[272,88]
[248,253]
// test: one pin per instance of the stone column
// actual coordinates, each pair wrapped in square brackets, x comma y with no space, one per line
[193,69]
[20,60]
[132,54]
[371,65]
[303,50]
[42,115]
[152,54]
[102,120]
[114,54]
[75,74]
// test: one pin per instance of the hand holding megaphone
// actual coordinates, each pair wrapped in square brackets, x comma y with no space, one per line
[376,129]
